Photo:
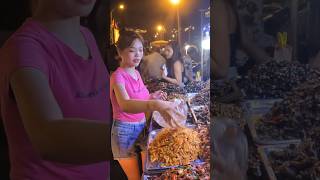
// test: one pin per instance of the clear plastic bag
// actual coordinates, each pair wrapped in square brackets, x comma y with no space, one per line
[181,106]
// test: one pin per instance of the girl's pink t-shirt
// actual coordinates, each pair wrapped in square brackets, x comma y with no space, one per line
[135,89]
[80,87]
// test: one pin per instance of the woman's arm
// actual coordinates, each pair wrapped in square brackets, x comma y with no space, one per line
[66,140]
[220,42]
[131,105]
[128,105]
[177,69]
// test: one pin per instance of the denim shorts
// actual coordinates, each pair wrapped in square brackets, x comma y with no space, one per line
[127,137]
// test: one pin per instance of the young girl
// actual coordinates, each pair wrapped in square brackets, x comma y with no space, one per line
[130,100]
[54,96]
[174,64]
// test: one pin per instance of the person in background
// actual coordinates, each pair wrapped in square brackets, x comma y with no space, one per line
[228,35]
[188,58]
[151,66]
[54,95]
[174,64]
[130,100]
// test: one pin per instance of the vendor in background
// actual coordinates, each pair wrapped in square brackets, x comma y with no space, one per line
[174,64]
[189,57]
[150,67]
[228,35]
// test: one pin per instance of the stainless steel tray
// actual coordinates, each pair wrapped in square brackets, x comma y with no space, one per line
[264,154]
[156,166]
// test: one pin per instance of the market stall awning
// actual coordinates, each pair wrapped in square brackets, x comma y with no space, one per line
[159,43]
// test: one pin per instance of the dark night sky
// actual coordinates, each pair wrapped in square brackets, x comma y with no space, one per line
[146,14]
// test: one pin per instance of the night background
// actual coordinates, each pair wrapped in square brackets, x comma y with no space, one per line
[147,14]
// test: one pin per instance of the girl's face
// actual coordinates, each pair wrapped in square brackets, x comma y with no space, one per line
[131,56]
[68,8]
[168,51]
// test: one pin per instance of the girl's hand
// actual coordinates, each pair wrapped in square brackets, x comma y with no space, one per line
[169,113]
[158,95]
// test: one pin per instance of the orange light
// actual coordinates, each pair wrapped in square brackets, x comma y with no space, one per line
[175,2]
[121,6]
[159,28]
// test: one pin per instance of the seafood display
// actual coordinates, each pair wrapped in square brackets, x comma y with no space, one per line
[203,132]
[188,172]
[294,161]
[185,150]
[196,86]
[202,114]
[175,146]
[233,111]
[225,92]
[295,116]
[155,85]
[202,98]
[273,79]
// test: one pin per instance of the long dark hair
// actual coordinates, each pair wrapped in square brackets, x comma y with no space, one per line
[125,40]
[176,56]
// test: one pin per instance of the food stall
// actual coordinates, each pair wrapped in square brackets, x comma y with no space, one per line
[182,152]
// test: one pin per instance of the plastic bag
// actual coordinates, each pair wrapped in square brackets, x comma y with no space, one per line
[181,106]
[229,150]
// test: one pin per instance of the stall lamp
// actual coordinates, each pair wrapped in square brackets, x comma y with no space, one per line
[187,47]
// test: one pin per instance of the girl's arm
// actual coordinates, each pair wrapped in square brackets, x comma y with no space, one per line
[165,108]
[56,138]
[131,105]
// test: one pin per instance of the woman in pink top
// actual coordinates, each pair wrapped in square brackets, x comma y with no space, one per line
[130,100]
[54,96]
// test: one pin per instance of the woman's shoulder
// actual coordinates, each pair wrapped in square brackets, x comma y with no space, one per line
[117,72]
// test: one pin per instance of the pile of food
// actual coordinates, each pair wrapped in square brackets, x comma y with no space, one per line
[273,79]
[155,85]
[175,146]
[295,162]
[221,88]
[185,150]
[203,132]
[233,111]
[295,116]
[189,172]
[172,96]
[202,114]
[225,92]
[196,86]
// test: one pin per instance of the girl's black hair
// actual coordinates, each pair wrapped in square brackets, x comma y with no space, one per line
[176,56]
[126,38]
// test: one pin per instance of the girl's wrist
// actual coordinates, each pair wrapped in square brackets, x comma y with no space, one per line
[152,105]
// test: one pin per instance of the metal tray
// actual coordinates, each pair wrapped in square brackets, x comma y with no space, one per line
[259,107]
[191,95]
[148,176]
[264,154]
[259,141]
[156,167]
